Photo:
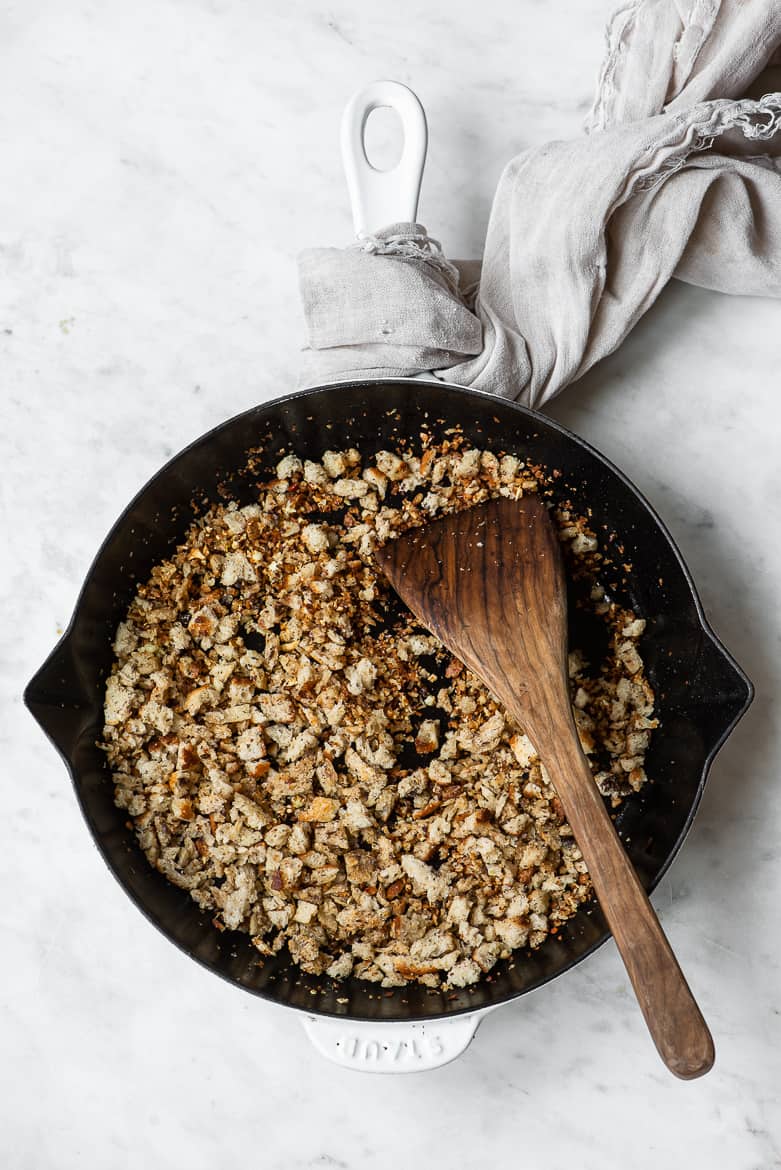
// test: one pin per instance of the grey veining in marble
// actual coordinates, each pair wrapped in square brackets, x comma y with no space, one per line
[163,162]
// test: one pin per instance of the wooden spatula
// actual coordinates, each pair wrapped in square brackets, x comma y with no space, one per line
[489,582]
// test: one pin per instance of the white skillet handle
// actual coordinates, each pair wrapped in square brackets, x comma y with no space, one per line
[382,197]
[391,1047]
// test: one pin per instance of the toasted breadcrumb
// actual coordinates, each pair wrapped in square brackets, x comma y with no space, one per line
[316,769]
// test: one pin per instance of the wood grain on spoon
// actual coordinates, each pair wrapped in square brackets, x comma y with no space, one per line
[489,582]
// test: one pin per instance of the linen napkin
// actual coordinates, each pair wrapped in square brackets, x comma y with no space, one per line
[678,174]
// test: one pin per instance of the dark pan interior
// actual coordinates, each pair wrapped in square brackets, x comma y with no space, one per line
[700,690]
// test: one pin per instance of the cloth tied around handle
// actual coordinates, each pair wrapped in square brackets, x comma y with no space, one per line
[677,175]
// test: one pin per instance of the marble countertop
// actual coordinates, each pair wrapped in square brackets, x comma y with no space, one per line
[164,162]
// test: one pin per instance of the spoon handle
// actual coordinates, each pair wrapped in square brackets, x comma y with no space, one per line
[671,1012]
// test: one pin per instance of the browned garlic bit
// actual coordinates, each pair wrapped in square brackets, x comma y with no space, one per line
[315,768]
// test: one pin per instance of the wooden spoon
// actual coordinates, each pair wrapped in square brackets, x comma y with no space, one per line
[489,582]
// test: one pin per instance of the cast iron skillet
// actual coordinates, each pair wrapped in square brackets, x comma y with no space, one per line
[701,691]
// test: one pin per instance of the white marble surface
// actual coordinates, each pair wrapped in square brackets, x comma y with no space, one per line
[163,161]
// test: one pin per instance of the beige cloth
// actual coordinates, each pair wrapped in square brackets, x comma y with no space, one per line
[677,175]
